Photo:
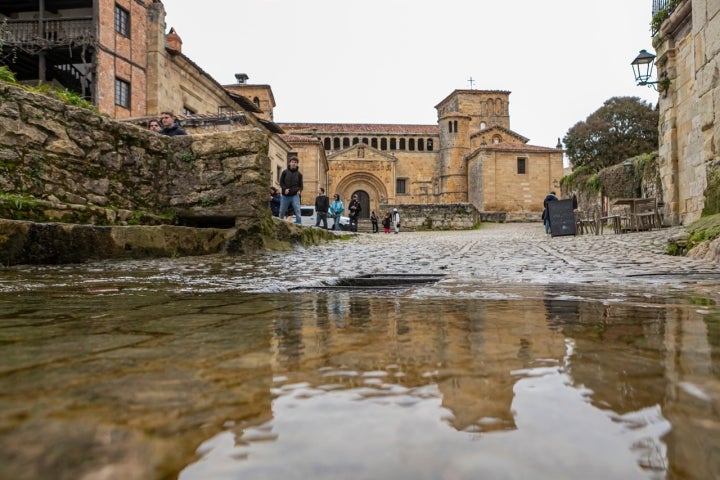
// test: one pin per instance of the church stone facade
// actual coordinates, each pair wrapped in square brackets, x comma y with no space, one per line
[470,156]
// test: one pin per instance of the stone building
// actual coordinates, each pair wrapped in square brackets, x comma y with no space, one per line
[120,55]
[470,156]
[687,42]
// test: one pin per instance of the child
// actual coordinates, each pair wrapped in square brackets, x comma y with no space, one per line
[386,223]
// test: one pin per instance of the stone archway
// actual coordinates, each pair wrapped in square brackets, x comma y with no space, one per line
[364,200]
[367,187]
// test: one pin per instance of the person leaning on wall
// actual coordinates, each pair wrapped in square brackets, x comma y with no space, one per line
[170,125]
[154,126]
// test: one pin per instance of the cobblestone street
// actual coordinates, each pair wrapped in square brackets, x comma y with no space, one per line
[508,253]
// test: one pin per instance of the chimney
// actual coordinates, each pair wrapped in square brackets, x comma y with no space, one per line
[241,78]
[173,42]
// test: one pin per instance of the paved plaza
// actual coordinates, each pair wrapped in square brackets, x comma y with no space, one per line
[508,253]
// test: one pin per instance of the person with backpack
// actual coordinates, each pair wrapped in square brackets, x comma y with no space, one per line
[374,221]
[386,223]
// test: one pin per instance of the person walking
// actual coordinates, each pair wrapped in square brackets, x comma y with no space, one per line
[170,125]
[354,209]
[291,186]
[336,211]
[374,221]
[386,222]
[550,197]
[396,220]
[274,202]
[322,204]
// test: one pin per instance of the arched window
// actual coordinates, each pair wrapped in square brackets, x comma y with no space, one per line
[373,142]
[455,126]
[483,125]
[383,144]
[411,144]
[365,141]
[256,101]
[393,144]
[402,144]
[429,144]
[346,142]
[450,126]
[496,139]
[336,143]
[326,143]
[421,144]
[356,141]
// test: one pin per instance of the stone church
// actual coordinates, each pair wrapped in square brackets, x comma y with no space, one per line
[470,156]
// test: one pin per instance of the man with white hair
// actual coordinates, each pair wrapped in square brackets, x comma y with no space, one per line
[396,220]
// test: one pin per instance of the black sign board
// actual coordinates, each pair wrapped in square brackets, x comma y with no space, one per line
[562,217]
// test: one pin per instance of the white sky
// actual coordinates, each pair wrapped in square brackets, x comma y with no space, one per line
[392,61]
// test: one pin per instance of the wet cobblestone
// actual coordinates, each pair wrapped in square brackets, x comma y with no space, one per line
[507,253]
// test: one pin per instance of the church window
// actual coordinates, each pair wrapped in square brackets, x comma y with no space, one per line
[429,145]
[346,142]
[450,127]
[122,21]
[356,141]
[256,101]
[122,93]
[521,165]
[411,144]
[483,125]
[421,144]
[393,144]
[383,144]
[336,143]
[402,144]
[455,126]
[326,143]
[496,139]
[365,141]
[400,186]
[373,143]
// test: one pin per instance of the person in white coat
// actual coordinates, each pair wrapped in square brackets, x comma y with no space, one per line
[396,220]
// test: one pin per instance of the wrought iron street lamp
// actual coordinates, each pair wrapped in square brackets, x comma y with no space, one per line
[642,68]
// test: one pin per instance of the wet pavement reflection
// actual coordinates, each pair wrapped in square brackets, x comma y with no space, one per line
[140,376]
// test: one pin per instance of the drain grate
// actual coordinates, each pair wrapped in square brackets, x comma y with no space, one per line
[383,281]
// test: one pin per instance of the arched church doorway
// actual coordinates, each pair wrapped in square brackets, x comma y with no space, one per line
[364,200]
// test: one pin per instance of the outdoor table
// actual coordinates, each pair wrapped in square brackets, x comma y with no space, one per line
[639,207]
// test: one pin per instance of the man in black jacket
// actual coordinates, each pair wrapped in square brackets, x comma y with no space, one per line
[291,186]
[171,127]
[354,210]
[322,205]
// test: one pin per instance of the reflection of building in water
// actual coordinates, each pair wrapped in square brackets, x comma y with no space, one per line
[487,343]
[468,348]
[638,358]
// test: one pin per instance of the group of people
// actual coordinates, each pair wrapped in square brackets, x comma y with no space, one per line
[166,125]
[287,199]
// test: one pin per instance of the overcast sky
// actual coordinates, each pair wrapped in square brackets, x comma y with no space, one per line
[392,61]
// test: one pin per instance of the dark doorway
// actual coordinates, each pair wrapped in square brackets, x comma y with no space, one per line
[364,200]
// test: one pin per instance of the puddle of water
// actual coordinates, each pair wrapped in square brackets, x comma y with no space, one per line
[513,382]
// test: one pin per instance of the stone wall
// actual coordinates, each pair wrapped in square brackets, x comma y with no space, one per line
[456,216]
[63,164]
[688,59]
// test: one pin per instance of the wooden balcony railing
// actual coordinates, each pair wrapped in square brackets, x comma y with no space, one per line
[48,33]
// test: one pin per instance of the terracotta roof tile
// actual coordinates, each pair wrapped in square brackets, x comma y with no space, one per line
[360,128]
